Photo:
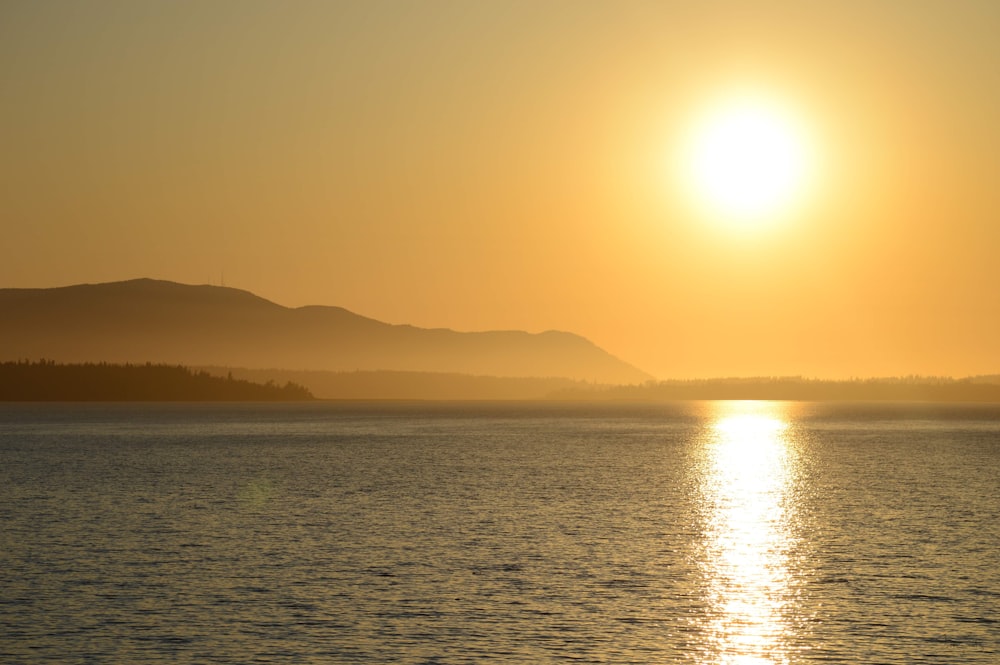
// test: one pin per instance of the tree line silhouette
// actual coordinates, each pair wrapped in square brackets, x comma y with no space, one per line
[46,380]
[906,388]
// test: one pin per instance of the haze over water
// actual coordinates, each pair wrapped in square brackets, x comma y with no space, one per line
[441,533]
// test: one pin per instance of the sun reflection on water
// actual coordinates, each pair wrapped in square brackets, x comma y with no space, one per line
[746,493]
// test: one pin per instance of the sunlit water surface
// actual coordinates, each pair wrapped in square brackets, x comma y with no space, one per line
[728,532]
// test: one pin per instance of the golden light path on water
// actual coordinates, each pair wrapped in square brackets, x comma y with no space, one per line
[746,492]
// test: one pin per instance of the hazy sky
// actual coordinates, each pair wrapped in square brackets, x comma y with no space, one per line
[511,165]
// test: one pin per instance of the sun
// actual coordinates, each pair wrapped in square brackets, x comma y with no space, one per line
[747,162]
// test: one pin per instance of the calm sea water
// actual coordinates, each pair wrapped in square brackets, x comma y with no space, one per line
[724,532]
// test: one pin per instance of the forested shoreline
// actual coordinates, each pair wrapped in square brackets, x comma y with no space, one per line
[46,380]
[903,389]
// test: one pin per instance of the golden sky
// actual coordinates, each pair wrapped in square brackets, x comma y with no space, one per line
[513,165]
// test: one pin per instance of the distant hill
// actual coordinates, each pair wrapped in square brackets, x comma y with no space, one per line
[146,320]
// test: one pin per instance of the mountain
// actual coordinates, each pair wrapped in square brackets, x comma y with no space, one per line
[146,320]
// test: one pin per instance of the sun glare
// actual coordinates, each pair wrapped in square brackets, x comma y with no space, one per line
[747,162]
[746,488]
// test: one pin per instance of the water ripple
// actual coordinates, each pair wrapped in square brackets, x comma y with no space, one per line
[511,534]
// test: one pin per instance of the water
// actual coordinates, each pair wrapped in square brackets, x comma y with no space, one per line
[448,533]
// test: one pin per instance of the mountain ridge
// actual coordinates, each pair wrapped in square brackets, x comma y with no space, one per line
[148,320]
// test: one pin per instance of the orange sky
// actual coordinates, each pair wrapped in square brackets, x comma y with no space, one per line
[505,165]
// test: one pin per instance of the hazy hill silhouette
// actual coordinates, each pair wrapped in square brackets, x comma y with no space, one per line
[147,320]
[393,384]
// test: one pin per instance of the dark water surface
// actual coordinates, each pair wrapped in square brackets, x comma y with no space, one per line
[728,532]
